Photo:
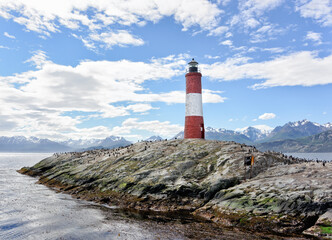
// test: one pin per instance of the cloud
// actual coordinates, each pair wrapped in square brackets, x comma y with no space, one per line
[54,99]
[8,35]
[164,129]
[267,116]
[38,59]
[91,21]
[211,57]
[227,43]
[297,69]
[224,2]
[218,31]
[320,10]
[315,37]
[251,12]
[271,50]
[267,32]
[140,107]
[120,38]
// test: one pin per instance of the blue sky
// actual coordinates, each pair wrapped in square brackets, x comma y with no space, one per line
[90,69]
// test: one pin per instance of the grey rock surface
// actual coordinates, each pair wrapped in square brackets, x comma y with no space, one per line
[208,178]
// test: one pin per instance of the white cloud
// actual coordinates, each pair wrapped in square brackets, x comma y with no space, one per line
[53,99]
[224,2]
[218,31]
[164,129]
[211,57]
[274,50]
[38,59]
[267,116]
[8,35]
[252,10]
[211,96]
[140,107]
[297,69]
[228,35]
[98,17]
[271,50]
[315,37]
[320,10]
[227,43]
[121,38]
[267,32]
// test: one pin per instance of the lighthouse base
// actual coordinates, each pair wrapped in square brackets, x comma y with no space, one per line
[194,127]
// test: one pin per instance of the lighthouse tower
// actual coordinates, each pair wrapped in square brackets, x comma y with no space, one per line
[194,124]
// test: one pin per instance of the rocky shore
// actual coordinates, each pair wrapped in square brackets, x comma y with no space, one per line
[207,179]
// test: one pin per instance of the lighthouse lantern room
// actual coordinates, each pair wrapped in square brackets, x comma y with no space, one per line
[194,123]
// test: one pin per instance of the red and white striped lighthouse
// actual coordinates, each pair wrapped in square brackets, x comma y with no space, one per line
[194,124]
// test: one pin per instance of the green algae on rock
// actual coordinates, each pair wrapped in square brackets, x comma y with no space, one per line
[205,178]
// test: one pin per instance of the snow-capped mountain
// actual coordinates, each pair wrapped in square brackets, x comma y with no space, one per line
[223,134]
[180,135]
[293,130]
[263,133]
[31,144]
[109,142]
[328,125]
[220,134]
[81,143]
[154,138]
[256,133]
[321,142]
[248,135]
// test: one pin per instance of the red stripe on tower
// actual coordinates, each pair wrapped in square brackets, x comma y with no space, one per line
[194,123]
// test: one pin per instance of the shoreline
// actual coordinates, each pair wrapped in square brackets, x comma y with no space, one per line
[227,206]
[163,213]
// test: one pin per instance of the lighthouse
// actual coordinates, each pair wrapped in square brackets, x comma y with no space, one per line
[194,124]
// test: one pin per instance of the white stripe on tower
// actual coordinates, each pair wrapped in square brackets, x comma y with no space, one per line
[194,104]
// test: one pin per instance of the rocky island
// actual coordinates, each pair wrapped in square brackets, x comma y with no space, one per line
[207,179]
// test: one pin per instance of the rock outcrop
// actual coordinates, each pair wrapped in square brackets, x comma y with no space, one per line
[207,178]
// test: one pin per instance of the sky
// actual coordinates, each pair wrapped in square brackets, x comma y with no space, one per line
[91,69]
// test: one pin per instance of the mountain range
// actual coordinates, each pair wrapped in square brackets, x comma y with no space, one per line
[33,144]
[300,136]
[321,142]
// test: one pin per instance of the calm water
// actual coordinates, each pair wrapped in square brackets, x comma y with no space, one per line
[313,156]
[33,211]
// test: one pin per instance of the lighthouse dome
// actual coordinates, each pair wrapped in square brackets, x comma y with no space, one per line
[193,66]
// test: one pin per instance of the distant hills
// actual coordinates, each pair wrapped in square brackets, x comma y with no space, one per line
[154,138]
[33,144]
[299,129]
[321,142]
[300,136]
[109,142]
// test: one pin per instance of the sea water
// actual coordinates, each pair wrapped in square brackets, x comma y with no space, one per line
[33,211]
[313,156]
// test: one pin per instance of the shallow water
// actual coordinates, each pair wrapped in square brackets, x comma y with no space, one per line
[313,156]
[33,211]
